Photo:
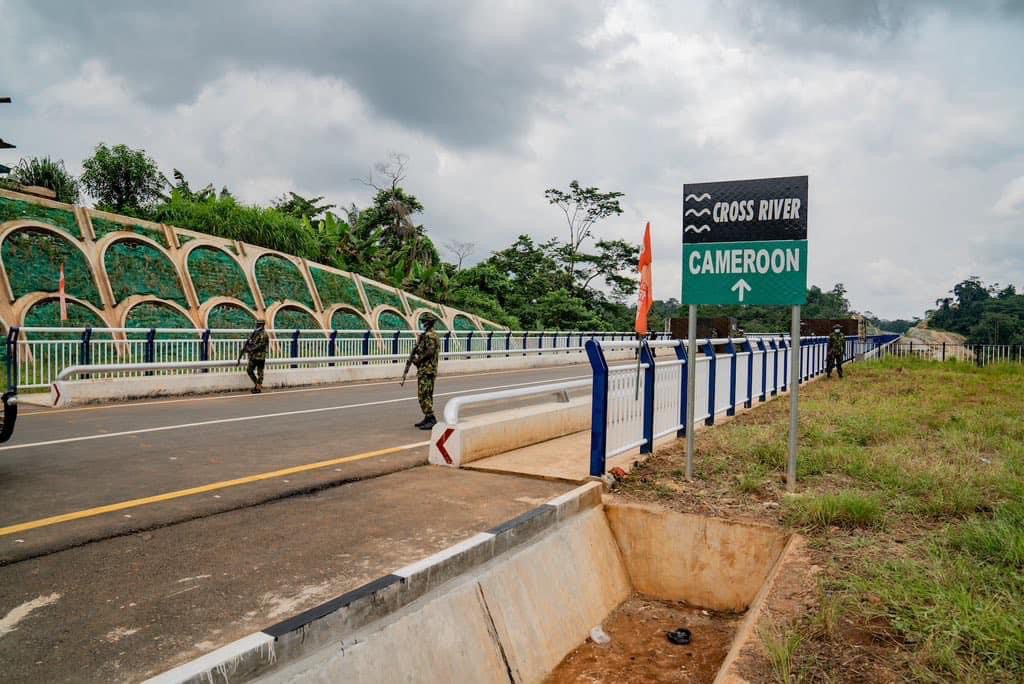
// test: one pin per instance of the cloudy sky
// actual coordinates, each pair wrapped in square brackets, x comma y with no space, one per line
[908,116]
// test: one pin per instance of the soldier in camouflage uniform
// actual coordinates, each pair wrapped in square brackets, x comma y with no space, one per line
[836,350]
[425,356]
[256,349]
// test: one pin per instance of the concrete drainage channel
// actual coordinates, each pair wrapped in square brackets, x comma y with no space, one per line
[518,602]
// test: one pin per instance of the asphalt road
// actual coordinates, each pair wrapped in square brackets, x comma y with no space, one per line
[97,586]
[71,462]
[129,607]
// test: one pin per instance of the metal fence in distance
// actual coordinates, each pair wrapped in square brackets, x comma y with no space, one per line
[634,404]
[981,354]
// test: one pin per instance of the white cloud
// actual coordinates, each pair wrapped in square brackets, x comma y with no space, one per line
[1011,202]
[905,144]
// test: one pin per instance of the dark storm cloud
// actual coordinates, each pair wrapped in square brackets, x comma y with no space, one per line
[876,16]
[865,28]
[468,73]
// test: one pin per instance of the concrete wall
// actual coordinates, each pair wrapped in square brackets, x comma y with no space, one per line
[114,263]
[512,620]
[516,617]
[709,562]
[510,603]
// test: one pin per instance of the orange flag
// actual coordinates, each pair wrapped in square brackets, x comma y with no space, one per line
[63,297]
[646,294]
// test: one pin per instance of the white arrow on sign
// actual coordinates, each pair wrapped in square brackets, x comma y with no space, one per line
[743,286]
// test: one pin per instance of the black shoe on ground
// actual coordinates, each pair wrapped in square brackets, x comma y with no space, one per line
[430,422]
[420,424]
[254,390]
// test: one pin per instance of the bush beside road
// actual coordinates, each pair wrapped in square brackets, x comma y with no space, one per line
[911,495]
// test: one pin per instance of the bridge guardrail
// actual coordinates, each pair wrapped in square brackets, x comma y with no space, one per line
[36,356]
[730,372]
[453,408]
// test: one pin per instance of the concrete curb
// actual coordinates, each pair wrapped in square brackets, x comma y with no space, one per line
[334,619]
[496,432]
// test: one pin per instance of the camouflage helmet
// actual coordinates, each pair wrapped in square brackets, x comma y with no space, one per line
[428,320]
[837,328]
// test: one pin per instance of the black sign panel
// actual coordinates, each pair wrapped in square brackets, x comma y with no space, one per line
[746,210]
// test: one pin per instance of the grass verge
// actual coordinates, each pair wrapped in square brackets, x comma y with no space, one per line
[911,492]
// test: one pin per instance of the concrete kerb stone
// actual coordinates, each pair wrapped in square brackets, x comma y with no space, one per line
[522,528]
[583,497]
[240,658]
[334,620]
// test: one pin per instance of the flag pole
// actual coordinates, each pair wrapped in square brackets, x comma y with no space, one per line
[62,297]
[645,297]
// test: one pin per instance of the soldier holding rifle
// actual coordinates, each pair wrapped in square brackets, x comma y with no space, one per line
[836,350]
[424,356]
[256,349]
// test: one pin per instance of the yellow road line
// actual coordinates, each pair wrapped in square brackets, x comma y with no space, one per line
[213,486]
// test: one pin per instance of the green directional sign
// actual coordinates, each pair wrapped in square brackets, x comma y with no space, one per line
[763,272]
[745,242]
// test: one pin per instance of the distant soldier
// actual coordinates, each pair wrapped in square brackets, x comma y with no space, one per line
[256,349]
[425,356]
[836,351]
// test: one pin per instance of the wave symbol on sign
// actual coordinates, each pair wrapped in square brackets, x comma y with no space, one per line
[694,212]
[698,198]
[703,229]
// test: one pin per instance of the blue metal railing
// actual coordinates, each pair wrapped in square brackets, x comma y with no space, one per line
[623,414]
[37,355]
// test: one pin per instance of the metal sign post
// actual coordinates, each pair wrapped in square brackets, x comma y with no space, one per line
[691,385]
[794,399]
[745,242]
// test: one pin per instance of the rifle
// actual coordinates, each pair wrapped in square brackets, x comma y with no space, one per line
[246,346]
[408,363]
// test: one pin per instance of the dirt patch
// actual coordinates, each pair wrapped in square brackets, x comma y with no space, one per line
[640,652]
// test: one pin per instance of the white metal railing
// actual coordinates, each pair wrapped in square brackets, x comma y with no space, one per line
[624,422]
[37,355]
[455,405]
[635,404]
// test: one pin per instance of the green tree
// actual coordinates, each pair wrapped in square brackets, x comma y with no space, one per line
[560,310]
[614,263]
[180,188]
[583,208]
[300,207]
[964,310]
[997,328]
[47,173]
[831,304]
[123,180]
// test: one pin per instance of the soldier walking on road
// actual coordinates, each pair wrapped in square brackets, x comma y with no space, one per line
[425,356]
[836,350]
[256,349]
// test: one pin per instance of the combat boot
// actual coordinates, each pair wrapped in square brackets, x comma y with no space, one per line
[428,423]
